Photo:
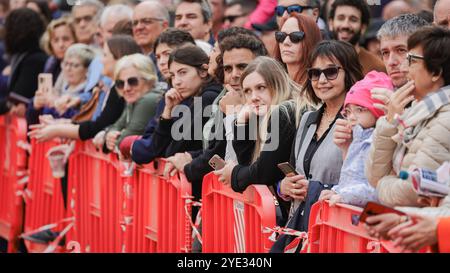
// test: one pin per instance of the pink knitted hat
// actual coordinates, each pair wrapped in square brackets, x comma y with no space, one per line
[360,94]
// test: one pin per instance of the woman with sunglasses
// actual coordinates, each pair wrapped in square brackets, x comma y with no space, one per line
[135,80]
[415,137]
[333,69]
[109,106]
[296,39]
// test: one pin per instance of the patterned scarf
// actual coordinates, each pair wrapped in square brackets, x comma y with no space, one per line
[412,121]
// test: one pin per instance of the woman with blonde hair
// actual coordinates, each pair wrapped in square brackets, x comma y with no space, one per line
[270,97]
[135,80]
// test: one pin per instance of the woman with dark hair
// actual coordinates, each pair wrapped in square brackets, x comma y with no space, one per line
[415,137]
[298,36]
[23,29]
[188,66]
[109,105]
[333,68]
[42,8]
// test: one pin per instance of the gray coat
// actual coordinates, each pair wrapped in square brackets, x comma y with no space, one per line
[327,160]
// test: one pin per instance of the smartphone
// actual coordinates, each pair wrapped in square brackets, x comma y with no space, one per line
[373,208]
[287,169]
[216,162]
[45,82]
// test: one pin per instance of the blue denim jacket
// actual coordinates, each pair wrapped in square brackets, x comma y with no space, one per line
[353,185]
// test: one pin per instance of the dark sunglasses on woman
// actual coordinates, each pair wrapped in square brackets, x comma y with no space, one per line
[295,36]
[279,10]
[132,82]
[331,73]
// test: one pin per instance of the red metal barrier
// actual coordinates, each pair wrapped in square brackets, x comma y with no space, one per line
[96,200]
[13,177]
[160,211]
[46,205]
[235,222]
[331,231]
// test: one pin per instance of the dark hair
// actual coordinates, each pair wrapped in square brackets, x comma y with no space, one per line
[191,55]
[122,45]
[224,33]
[247,6]
[426,15]
[173,37]
[339,51]
[312,37]
[250,42]
[23,29]
[123,27]
[204,6]
[44,9]
[361,5]
[435,42]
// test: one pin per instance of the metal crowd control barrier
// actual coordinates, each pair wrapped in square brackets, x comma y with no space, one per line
[235,222]
[331,231]
[13,177]
[45,207]
[96,200]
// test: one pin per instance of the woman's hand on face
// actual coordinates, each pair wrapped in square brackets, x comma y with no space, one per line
[231,102]
[172,98]
[111,139]
[343,135]
[399,100]
[295,186]
[379,225]
[224,174]
[416,234]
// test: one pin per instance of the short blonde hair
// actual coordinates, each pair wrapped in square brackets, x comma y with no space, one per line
[141,63]
[54,24]
[81,51]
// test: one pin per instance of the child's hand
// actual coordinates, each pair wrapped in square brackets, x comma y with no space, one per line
[343,135]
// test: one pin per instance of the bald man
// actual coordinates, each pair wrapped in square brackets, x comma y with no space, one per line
[442,13]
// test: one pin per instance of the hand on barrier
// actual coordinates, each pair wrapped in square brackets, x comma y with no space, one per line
[379,225]
[330,195]
[42,132]
[169,170]
[99,139]
[294,186]
[415,234]
[224,174]
[19,110]
[180,160]
[111,138]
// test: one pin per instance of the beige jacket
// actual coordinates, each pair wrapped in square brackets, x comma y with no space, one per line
[429,149]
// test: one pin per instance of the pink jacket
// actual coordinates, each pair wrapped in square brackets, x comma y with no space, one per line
[263,12]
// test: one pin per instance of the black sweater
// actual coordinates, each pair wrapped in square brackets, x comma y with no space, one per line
[163,143]
[112,111]
[264,170]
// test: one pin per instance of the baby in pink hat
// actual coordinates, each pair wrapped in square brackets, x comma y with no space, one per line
[353,135]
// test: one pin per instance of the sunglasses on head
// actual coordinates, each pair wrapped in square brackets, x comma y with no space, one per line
[331,73]
[279,10]
[295,36]
[132,82]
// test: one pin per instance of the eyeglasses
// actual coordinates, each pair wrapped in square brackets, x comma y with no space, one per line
[70,65]
[357,111]
[410,57]
[295,36]
[232,18]
[331,73]
[87,18]
[132,82]
[279,10]
[145,21]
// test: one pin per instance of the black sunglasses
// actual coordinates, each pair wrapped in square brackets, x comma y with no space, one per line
[132,82]
[279,10]
[232,18]
[295,36]
[331,73]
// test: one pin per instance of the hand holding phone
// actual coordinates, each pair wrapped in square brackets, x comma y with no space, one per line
[216,162]
[287,169]
[373,208]
[45,82]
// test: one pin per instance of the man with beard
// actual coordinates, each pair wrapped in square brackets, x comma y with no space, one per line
[348,20]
